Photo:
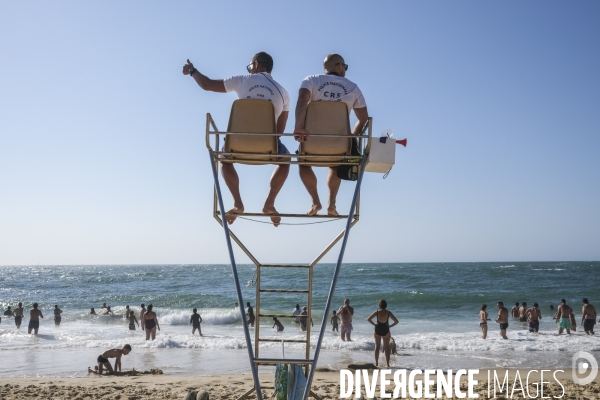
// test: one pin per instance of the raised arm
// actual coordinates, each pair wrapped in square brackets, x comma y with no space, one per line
[211,85]
[301,106]
[363,116]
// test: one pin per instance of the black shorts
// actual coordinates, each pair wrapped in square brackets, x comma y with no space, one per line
[34,324]
[102,360]
[588,324]
[534,326]
[503,326]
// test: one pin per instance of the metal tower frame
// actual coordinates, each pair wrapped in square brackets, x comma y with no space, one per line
[351,219]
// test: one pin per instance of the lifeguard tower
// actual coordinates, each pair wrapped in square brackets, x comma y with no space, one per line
[251,138]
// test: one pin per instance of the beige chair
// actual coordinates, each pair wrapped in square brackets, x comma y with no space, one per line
[250,115]
[331,118]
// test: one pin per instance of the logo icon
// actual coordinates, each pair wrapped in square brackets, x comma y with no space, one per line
[584,363]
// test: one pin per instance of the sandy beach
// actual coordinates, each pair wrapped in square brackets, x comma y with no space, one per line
[229,387]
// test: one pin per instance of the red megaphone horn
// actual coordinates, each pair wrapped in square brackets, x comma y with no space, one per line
[402,142]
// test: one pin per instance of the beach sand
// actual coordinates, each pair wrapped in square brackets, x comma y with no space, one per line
[229,387]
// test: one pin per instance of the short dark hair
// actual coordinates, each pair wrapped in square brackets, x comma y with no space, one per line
[264,60]
[563,301]
[483,307]
[195,310]
[128,347]
[585,301]
[535,304]
[382,304]
[517,304]
[35,305]
[500,303]
[130,312]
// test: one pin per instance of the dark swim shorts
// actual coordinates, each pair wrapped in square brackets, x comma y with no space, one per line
[34,324]
[534,326]
[196,326]
[18,321]
[588,324]
[503,326]
[102,360]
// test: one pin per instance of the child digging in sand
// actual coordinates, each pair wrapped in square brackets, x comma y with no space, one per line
[104,363]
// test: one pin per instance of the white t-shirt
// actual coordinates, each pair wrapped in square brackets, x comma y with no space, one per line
[259,86]
[334,88]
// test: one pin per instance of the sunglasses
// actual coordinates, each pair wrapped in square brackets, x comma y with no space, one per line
[249,66]
[345,66]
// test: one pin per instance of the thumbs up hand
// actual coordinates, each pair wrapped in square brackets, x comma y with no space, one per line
[188,67]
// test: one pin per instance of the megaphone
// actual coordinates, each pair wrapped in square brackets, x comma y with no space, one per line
[402,142]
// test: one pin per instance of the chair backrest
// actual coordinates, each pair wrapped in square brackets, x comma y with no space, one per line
[252,115]
[326,117]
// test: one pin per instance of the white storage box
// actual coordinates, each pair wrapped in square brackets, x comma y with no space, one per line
[382,156]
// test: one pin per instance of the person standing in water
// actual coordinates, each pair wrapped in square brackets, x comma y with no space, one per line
[277,324]
[502,319]
[483,318]
[250,314]
[34,319]
[335,320]
[150,322]
[195,320]
[57,317]
[563,316]
[515,310]
[588,317]
[382,330]
[345,313]
[523,313]
[132,321]
[142,312]
[18,314]
[534,315]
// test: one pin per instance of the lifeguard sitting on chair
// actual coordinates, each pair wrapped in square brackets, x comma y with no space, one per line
[258,85]
[329,87]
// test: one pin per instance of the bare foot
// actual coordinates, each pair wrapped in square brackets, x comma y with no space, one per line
[275,219]
[234,210]
[331,211]
[314,209]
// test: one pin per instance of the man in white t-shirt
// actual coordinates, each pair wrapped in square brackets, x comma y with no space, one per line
[331,86]
[258,85]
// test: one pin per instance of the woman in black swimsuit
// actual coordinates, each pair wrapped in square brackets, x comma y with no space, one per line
[382,330]
[150,323]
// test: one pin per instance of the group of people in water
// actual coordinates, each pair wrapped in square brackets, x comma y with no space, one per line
[34,316]
[564,317]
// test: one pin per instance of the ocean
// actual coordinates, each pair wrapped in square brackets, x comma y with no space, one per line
[437,305]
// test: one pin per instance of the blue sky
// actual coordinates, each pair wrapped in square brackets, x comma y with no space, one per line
[102,156]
